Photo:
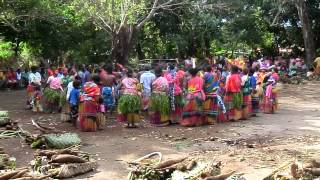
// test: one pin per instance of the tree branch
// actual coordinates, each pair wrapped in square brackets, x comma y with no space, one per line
[11,25]
[151,13]
[276,18]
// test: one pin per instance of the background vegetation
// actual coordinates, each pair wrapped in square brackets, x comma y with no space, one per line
[94,31]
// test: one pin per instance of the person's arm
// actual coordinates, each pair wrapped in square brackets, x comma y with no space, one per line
[227,84]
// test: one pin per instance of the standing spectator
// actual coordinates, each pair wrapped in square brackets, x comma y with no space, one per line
[19,78]
[25,77]
[34,80]
[87,74]
[11,78]
[73,100]
[146,80]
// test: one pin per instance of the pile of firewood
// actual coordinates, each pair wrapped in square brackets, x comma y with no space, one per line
[64,163]
[174,169]
[47,164]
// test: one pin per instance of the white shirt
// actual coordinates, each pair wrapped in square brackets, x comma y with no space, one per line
[69,89]
[18,76]
[146,80]
[35,78]
[244,79]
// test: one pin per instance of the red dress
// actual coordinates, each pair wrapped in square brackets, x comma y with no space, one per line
[233,96]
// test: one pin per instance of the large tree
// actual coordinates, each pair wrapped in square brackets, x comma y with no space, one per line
[304,21]
[121,19]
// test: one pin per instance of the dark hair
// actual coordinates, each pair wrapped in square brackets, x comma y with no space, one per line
[275,70]
[130,72]
[95,78]
[33,69]
[251,71]
[108,68]
[158,71]
[76,84]
[147,68]
[245,71]
[208,68]
[77,77]
[234,69]
[193,71]
[171,66]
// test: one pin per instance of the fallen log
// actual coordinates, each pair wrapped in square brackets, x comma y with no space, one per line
[315,163]
[20,174]
[313,171]
[220,177]
[169,163]
[191,165]
[8,175]
[33,178]
[66,158]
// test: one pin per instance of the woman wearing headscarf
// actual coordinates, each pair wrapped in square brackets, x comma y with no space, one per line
[89,105]
[159,103]
[175,80]
[192,111]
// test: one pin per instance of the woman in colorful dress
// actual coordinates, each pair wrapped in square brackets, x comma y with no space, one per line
[246,93]
[89,105]
[52,93]
[159,103]
[175,80]
[233,98]
[192,111]
[130,101]
[210,106]
[270,97]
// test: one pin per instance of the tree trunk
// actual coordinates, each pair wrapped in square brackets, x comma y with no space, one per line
[207,46]
[309,47]
[16,49]
[139,51]
[121,45]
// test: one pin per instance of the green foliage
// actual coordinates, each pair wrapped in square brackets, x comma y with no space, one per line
[52,96]
[78,31]
[6,51]
[129,104]
[160,103]
[237,100]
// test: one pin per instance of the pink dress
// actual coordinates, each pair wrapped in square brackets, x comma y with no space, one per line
[130,86]
[160,85]
[177,81]
[55,83]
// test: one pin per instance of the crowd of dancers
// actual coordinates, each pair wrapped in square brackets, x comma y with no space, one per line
[87,96]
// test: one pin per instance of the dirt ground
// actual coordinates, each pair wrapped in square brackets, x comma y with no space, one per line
[253,147]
